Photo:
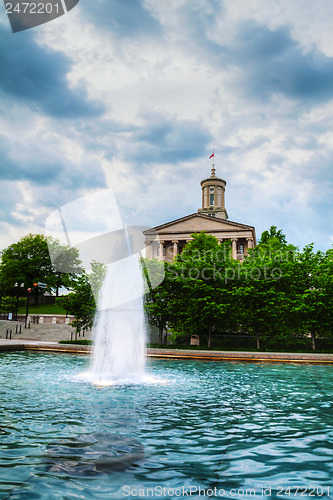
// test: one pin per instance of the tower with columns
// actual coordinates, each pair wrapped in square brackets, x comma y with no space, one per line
[213,196]
[167,240]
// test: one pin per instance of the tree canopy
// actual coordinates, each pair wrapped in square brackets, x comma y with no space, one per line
[81,300]
[28,261]
[278,294]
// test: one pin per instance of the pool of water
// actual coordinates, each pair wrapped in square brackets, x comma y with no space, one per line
[216,429]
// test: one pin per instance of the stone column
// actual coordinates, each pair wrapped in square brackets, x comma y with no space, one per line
[175,248]
[249,242]
[219,196]
[149,250]
[234,248]
[161,247]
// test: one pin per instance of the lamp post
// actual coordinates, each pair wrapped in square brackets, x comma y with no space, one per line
[30,290]
[16,285]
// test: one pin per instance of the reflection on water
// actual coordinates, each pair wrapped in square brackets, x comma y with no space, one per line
[90,454]
[223,425]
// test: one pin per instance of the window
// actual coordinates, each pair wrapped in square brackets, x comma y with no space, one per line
[241,249]
[211,196]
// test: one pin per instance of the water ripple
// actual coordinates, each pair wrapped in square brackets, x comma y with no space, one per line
[226,425]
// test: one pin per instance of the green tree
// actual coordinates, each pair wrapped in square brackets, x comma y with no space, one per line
[265,283]
[200,299]
[81,301]
[11,304]
[314,298]
[28,262]
[157,302]
[273,233]
[275,294]
[65,260]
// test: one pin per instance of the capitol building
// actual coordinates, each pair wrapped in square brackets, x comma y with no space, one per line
[167,240]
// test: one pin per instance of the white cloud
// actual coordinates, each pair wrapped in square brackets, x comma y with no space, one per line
[184,73]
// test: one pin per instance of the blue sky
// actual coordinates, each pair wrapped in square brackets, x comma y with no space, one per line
[134,95]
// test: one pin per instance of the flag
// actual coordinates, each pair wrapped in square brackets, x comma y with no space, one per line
[211,156]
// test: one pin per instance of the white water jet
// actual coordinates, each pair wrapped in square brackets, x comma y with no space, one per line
[119,332]
[93,225]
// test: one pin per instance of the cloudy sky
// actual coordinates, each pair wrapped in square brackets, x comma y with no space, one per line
[134,95]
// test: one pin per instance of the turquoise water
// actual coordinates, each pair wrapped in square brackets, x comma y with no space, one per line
[229,426]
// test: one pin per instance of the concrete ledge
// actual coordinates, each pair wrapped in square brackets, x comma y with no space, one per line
[241,356]
[30,345]
[275,357]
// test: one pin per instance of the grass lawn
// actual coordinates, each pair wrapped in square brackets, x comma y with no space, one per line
[43,309]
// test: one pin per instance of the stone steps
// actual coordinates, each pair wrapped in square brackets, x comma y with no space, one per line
[47,331]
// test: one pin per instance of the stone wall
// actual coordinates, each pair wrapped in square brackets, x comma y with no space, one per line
[56,319]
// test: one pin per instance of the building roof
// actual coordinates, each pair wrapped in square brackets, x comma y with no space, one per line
[211,224]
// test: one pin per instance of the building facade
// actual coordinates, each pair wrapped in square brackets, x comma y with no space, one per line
[167,240]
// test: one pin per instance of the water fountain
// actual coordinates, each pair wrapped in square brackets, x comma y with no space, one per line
[120,332]
[120,328]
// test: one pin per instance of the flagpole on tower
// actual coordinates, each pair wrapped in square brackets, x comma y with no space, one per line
[213,167]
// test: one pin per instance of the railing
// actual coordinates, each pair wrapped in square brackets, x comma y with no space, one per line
[75,335]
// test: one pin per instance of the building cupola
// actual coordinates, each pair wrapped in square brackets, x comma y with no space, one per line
[213,196]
